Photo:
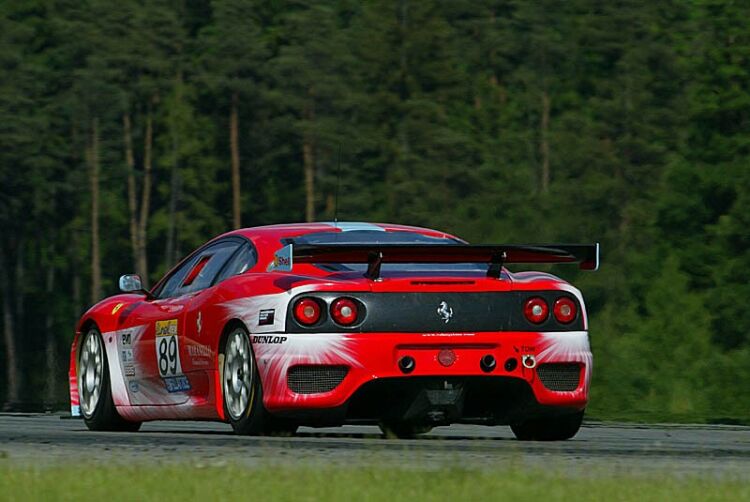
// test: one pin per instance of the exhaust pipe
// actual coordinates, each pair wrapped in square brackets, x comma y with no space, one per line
[487,363]
[406,364]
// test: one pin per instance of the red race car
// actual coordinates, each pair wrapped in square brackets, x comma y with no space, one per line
[322,324]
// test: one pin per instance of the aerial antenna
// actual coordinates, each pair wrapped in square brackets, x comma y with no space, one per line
[336,196]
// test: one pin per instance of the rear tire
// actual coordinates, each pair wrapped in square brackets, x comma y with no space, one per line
[94,389]
[557,428]
[243,392]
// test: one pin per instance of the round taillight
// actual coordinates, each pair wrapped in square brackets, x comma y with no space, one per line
[536,310]
[307,311]
[446,357]
[344,311]
[565,310]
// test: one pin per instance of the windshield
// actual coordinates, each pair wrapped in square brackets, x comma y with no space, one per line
[364,237]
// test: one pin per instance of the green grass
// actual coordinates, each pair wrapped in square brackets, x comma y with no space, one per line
[190,482]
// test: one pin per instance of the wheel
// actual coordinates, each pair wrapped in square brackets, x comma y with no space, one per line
[242,390]
[403,430]
[548,428]
[94,390]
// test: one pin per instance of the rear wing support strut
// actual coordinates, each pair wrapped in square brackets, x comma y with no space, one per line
[496,264]
[374,262]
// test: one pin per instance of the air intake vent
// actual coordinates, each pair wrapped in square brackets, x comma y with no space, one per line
[315,379]
[560,376]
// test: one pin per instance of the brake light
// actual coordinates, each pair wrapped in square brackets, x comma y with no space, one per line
[344,311]
[307,311]
[565,310]
[536,310]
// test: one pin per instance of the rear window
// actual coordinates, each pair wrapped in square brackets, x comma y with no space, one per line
[364,237]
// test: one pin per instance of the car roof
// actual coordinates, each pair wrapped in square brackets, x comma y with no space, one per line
[267,238]
[287,230]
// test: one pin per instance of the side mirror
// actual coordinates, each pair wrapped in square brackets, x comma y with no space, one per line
[131,283]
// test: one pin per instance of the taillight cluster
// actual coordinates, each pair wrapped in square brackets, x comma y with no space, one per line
[565,310]
[344,311]
[307,311]
[536,310]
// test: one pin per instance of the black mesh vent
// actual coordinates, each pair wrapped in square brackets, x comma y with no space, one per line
[315,379]
[560,376]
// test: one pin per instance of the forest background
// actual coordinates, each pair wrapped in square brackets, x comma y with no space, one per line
[133,131]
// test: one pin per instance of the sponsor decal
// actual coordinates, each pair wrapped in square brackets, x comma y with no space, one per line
[266,339]
[133,386]
[199,323]
[177,384]
[266,317]
[199,350]
[75,410]
[200,355]
[126,355]
[117,307]
[129,370]
[164,328]
[445,312]
[126,339]
[447,334]
[282,260]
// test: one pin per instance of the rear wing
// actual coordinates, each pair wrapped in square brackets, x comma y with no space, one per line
[586,255]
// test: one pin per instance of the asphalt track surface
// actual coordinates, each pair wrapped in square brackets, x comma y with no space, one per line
[598,449]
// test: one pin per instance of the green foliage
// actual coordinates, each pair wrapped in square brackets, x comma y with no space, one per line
[368,481]
[442,114]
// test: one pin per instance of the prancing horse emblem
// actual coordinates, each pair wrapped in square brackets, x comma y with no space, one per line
[445,312]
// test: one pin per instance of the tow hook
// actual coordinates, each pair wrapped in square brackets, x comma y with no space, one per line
[529,361]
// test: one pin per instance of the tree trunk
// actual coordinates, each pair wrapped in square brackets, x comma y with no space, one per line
[11,362]
[19,291]
[132,199]
[174,185]
[142,266]
[544,146]
[405,69]
[76,259]
[75,248]
[308,154]
[235,146]
[51,340]
[96,270]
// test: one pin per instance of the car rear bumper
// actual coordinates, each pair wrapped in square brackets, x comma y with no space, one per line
[317,371]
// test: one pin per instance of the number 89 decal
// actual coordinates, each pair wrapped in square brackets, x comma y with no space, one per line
[167,349]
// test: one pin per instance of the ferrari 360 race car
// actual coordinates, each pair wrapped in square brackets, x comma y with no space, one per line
[322,324]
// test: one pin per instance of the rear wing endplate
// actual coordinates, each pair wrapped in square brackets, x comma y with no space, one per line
[585,255]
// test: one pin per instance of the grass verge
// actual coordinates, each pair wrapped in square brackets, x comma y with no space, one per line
[190,482]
